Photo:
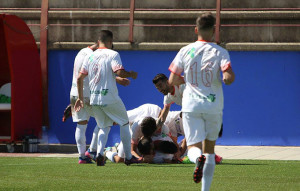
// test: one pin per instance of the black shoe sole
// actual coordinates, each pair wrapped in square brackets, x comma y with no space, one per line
[198,172]
[100,161]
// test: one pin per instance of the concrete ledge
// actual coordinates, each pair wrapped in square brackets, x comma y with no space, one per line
[263,46]
[163,46]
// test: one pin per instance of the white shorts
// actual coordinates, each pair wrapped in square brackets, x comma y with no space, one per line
[84,113]
[106,115]
[200,126]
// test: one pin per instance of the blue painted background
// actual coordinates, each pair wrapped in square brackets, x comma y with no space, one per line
[262,107]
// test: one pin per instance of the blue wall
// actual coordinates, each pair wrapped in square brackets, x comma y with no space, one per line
[262,107]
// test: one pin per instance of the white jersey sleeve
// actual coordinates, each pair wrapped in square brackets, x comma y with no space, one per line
[176,97]
[116,63]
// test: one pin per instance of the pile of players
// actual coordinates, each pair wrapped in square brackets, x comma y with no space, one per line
[149,133]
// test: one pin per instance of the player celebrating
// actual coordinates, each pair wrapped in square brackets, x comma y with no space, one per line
[173,94]
[82,116]
[102,67]
[202,103]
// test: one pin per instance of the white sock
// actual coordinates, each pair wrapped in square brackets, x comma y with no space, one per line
[93,145]
[80,139]
[102,139]
[126,140]
[208,171]
[110,155]
[121,152]
[193,153]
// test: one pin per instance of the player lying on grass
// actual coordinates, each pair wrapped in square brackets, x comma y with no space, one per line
[135,116]
[158,149]
[141,127]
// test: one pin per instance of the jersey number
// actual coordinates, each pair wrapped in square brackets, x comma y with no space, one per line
[206,74]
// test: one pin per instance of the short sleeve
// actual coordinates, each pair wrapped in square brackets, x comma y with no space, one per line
[116,63]
[167,100]
[84,67]
[225,61]
[176,66]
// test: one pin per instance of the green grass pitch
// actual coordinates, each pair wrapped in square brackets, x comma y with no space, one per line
[21,173]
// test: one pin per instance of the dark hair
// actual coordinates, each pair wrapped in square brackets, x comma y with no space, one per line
[167,147]
[144,146]
[105,36]
[206,21]
[159,77]
[148,126]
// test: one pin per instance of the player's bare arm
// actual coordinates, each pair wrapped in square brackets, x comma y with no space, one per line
[79,102]
[122,81]
[133,151]
[126,74]
[228,76]
[164,113]
[175,79]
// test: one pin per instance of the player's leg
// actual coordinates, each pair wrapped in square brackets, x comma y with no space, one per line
[116,156]
[117,113]
[81,118]
[102,139]
[212,125]
[92,151]
[194,129]
[104,123]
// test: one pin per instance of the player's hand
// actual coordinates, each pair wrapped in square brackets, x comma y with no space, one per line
[124,81]
[133,74]
[78,105]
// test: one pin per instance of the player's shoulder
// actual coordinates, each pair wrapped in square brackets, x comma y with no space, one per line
[220,49]
[187,47]
[86,50]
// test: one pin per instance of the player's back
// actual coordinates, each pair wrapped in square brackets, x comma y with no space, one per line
[80,58]
[201,63]
[102,79]
[144,110]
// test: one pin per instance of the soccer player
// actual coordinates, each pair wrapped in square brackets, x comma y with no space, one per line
[173,94]
[157,149]
[201,63]
[82,116]
[102,67]
[142,126]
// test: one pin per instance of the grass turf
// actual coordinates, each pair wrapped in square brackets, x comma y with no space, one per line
[21,173]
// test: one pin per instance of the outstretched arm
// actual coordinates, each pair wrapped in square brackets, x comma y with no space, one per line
[122,81]
[125,74]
